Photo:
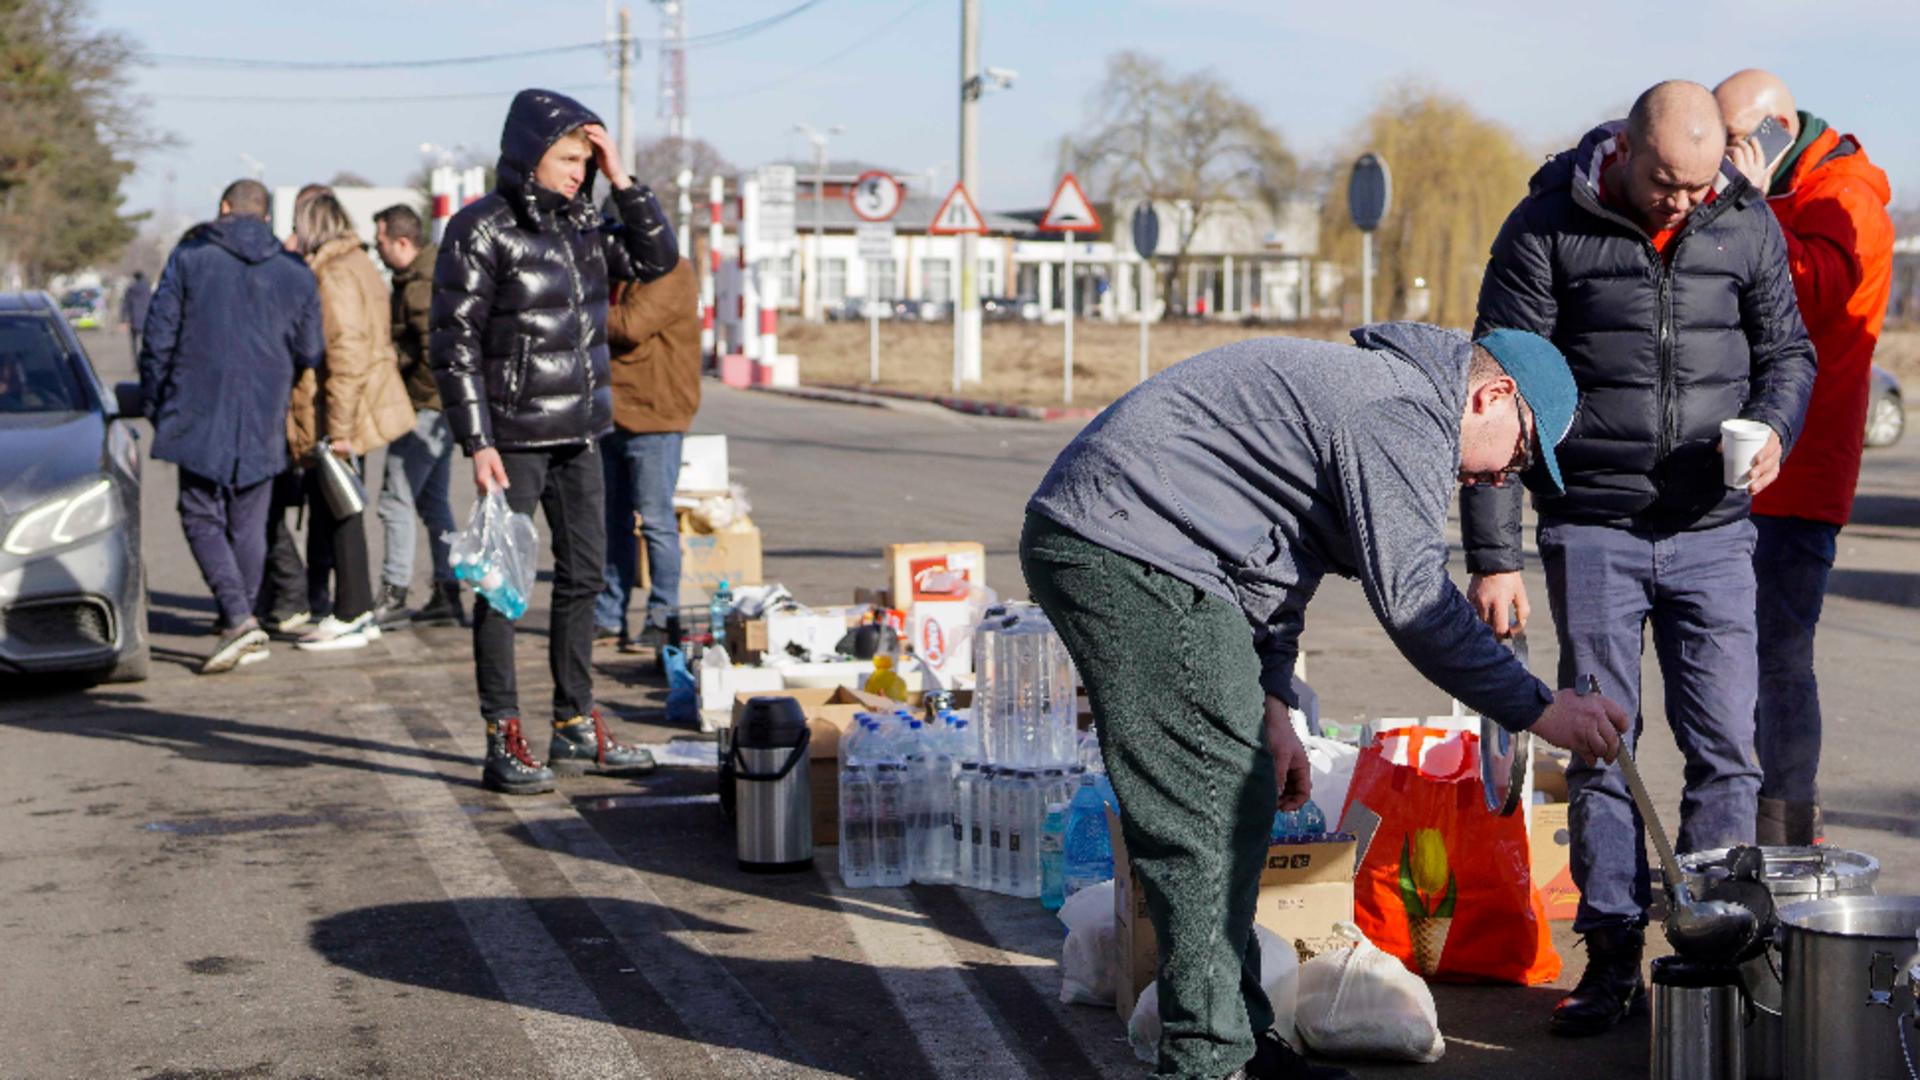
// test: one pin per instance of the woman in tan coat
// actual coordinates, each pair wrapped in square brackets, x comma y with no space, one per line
[353,404]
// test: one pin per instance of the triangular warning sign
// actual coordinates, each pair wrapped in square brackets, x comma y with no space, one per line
[957,214]
[1070,211]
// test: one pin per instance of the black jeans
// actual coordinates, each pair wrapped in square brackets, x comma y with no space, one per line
[284,591]
[567,485]
[338,546]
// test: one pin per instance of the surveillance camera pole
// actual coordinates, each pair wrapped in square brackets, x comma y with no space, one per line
[966,311]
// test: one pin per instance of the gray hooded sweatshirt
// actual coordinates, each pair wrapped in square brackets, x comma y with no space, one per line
[1251,471]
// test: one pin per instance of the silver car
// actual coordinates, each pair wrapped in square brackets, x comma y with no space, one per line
[72,590]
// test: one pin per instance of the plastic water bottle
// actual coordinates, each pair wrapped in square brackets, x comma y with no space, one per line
[1313,823]
[1053,787]
[856,826]
[1297,826]
[1088,854]
[1023,836]
[1053,870]
[980,822]
[963,823]
[943,852]
[718,608]
[999,810]
[889,826]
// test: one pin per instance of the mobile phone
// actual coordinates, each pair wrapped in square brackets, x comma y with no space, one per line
[1773,140]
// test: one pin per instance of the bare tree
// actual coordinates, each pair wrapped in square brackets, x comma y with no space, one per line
[657,164]
[1456,175]
[349,178]
[1187,139]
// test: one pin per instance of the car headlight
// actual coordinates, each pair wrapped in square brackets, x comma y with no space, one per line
[61,520]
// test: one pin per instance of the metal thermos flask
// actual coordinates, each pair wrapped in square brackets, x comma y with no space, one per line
[339,482]
[772,788]
[1699,1021]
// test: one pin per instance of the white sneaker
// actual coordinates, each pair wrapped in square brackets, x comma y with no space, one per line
[332,635]
[297,621]
[254,656]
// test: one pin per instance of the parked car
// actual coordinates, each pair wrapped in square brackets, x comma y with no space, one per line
[1009,309]
[1886,409]
[81,308]
[73,596]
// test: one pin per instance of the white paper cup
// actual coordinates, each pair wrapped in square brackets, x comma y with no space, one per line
[1740,442]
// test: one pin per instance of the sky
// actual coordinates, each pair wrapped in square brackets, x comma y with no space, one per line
[888,70]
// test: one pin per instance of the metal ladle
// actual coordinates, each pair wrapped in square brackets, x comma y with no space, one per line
[1698,929]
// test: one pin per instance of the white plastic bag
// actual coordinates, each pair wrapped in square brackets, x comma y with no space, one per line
[496,554]
[1087,958]
[1361,1002]
[1279,976]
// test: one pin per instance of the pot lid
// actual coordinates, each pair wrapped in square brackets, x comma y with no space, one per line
[1794,871]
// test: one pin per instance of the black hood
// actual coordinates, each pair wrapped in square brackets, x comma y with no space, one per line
[250,239]
[535,121]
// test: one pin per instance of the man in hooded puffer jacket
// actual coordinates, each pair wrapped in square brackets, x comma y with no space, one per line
[518,345]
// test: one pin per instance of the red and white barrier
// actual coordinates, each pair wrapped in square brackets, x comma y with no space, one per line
[709,282]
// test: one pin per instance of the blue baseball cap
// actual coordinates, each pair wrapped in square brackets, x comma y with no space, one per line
[1546,385]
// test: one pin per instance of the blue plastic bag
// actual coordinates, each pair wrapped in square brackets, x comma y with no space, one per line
[683,692]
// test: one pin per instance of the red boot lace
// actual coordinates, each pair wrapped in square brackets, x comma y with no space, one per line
[601,740]
[517,743]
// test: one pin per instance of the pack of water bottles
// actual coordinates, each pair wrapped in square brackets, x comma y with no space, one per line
[495,554]
[1025,690]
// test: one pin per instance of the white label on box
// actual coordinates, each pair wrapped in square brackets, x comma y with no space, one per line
[703,463]
[942,632]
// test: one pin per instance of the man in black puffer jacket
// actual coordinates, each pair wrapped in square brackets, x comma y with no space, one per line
[518,345]
[1661,275]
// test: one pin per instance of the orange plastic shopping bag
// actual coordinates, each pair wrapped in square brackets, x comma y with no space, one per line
[1446,885]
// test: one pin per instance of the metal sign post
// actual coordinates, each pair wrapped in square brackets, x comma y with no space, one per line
[1070,212]
[875,198]
[1146,240]
[1369,194]
[958,216]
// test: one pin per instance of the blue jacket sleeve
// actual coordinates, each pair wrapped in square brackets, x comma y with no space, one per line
[309,339]
[1783,358]
[160,336]
[463,288]
[1395,481]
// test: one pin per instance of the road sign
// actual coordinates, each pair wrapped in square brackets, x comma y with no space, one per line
[1146,230]
[1369,192]
[876,239]
[1070,211]
[957,215]
[776,206]
[875,196]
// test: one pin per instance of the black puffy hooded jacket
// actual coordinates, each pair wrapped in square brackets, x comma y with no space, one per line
[518,338]
[1663,350]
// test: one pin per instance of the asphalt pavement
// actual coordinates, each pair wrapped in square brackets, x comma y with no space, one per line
[291,870]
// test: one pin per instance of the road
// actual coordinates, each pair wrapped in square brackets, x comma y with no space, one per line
[292,871]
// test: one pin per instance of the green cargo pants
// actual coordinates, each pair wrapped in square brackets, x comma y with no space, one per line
[1174,683]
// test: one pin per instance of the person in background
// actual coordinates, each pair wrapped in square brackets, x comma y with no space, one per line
[519,346]
[1831,204]
[291,597]
[420,462]
[232,323]
[133,308]
[654,332]
[1655,267]
[355,405]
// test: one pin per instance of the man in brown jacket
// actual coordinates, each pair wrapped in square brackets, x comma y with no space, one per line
[418,462]
[654,330]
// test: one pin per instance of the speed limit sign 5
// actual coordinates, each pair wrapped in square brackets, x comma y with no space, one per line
[875,196]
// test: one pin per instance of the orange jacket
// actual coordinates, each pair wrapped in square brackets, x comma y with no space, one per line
[1840,246]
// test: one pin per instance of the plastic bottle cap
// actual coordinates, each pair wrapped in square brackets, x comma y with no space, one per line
[882,663]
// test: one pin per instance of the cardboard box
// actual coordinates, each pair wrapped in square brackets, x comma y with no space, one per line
[817,630]
[1304,890]
[916,571]
[1549,846]
[830,715]
[707,559]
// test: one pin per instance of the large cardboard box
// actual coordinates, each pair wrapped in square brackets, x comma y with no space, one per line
[707,559]
[817,630]
[1304,890]
[932,581]
[830,714]
[1549,844]
[913,570]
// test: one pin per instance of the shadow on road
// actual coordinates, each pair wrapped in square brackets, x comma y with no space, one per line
[1898,511]
[1900,588]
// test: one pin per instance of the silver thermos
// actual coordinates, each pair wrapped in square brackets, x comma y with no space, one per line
[339,482]
[772,788]
[1699,1021]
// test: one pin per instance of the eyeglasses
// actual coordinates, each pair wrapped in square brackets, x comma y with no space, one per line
[1523,447]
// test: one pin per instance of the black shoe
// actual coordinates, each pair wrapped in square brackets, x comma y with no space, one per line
[656,638]
[1610,989]
[391,612]
[1275,1059]
[510,766]
[608,635]
[445,609]
[583,745]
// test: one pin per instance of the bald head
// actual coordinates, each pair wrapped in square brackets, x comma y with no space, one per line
[1748,97]
[1678,117]
[1673,146]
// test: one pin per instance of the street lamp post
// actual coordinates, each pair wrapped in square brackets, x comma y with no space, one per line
[819,141]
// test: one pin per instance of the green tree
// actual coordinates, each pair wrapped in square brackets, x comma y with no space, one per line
[1456,176]
[68,133]
[1187,139]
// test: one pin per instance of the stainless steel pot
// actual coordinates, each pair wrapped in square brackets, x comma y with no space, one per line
[1699,1021]
[1841,958]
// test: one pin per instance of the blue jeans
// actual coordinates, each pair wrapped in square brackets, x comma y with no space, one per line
[1697,590]
[1793,556]
[418,467]
[642,471]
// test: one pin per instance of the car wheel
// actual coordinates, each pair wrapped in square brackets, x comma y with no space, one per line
[1886,420]
[133,665]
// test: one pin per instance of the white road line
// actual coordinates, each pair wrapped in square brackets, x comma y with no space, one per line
[739,1034]
[921,972]
[560,1015]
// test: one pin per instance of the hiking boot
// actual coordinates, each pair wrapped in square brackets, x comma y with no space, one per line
[510,767]
[583,745]
[391,611]
[234,646]
[1788,824]
[1610,989]
[444,609]
[1275,1059]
